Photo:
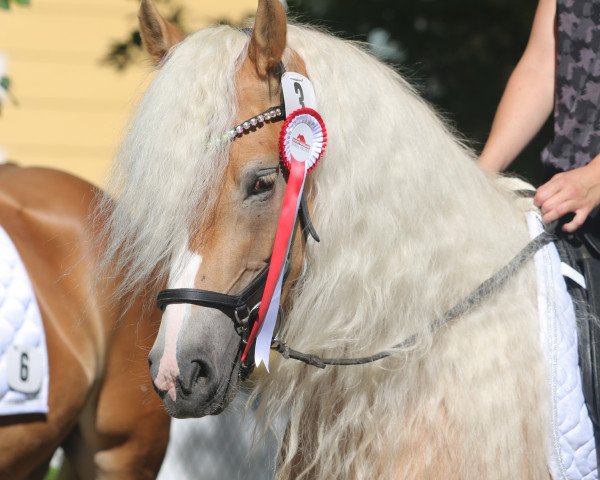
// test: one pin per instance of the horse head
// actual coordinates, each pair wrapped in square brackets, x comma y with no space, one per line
[195,362]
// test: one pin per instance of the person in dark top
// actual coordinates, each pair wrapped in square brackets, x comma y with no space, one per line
[560,71]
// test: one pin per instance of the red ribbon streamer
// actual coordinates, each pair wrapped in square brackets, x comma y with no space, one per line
[287,220]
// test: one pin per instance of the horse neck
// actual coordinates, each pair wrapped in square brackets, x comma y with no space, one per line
[398,203]
[409,226]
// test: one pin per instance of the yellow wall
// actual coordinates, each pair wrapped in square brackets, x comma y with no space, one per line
[72,110]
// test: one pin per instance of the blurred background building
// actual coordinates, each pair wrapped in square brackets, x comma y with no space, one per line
[76,70]
[73,102]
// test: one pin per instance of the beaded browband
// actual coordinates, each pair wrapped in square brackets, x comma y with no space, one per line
[270,115]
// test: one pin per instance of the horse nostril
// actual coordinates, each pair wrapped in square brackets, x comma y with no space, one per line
[200,375]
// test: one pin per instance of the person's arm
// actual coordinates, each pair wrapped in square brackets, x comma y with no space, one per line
[529,95]
[576,191]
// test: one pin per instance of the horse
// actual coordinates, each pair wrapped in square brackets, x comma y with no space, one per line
[408,226]
[100,407]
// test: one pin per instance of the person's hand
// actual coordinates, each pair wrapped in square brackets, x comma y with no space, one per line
[576,191]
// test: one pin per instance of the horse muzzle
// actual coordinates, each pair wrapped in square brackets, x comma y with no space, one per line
[194,363]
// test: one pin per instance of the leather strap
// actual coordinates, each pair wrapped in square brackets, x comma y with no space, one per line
[206,298]
[482,292]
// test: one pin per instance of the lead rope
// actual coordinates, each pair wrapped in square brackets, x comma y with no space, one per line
[481,293]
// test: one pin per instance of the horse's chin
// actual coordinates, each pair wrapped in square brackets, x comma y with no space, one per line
[197,404]
[180,409]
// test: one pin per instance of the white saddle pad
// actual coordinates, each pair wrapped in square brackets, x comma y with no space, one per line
[572,453]
[23,355]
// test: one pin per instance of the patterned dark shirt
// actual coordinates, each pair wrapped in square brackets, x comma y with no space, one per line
[576,138]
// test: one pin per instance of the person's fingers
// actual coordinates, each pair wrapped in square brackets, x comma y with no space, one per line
[559,211]
[547,190]
[573,225]
[561,196]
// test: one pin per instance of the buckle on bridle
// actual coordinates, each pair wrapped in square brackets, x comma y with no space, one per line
[243,322]
[278,325]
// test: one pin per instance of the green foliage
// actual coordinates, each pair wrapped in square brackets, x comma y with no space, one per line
[52,474]
[5,83]
[5,4]
[123,53]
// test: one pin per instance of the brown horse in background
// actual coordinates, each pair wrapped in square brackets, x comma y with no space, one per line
[101,407]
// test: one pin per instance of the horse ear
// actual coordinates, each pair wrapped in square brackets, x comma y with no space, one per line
[158,35]
[268,37]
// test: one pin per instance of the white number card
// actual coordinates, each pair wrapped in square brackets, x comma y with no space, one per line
[25,369]
[298,92]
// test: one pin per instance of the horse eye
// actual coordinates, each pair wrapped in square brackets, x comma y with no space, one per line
[263,184]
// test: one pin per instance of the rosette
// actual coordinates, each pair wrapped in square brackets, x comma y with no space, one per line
[303,138]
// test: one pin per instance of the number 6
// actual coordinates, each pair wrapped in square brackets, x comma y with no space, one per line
[24,367]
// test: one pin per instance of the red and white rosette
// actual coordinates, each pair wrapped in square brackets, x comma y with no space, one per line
[301,145]
[303,138]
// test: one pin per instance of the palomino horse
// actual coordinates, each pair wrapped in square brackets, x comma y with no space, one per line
[100,409]
[409,226]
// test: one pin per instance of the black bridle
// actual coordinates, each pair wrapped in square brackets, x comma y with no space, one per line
[240,308]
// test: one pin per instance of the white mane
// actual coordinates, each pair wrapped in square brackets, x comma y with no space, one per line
[408,227]
[171,160]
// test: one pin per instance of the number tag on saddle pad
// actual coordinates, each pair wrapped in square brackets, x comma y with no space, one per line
[24,373]
[298,92]
[25,369]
